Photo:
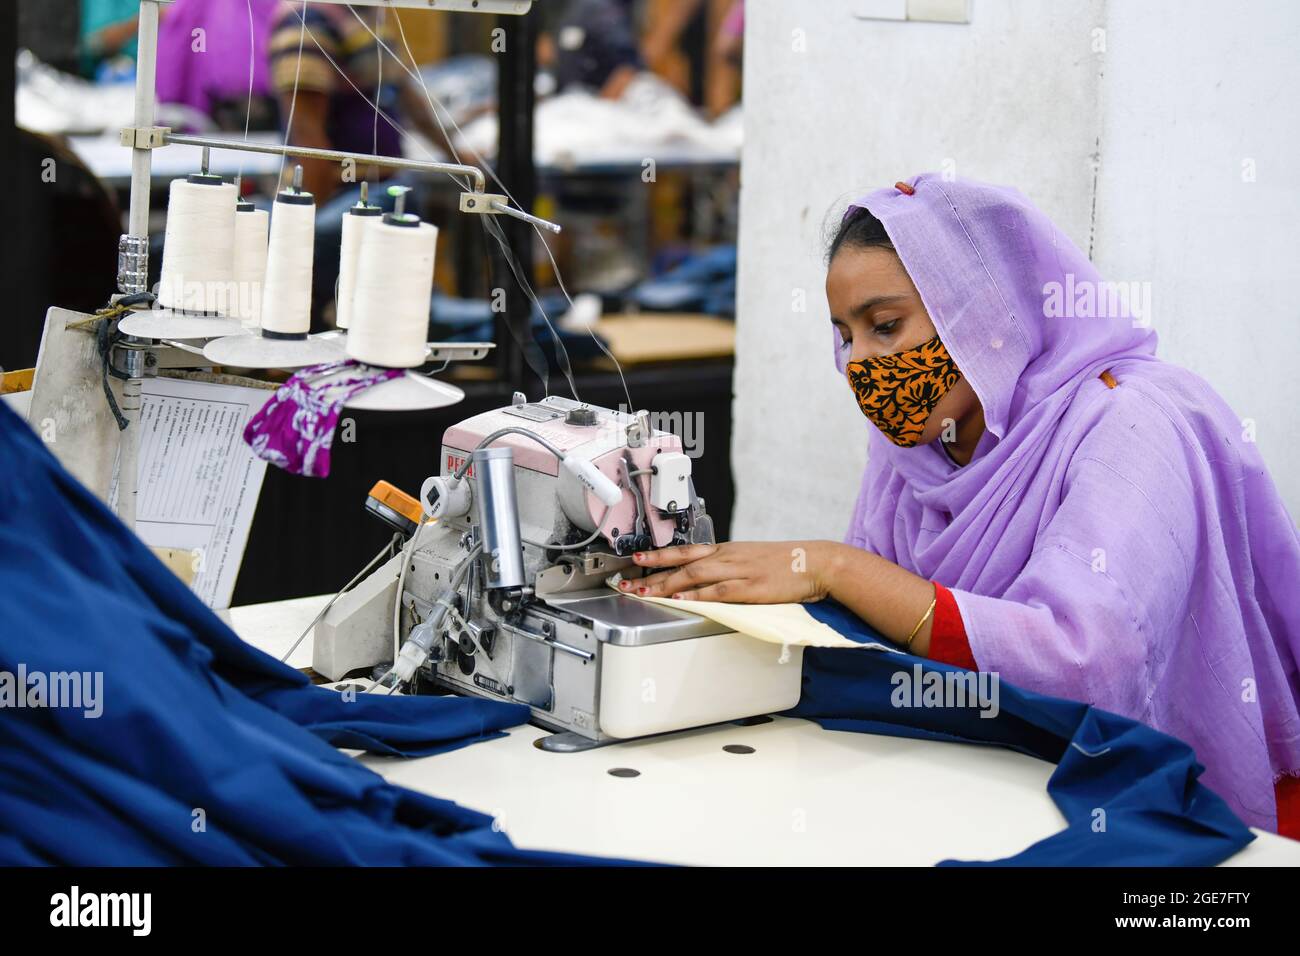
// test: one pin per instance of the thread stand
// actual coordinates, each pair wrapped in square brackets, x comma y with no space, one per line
[165,323]
[411,392]
[146,331]
[248,349]
[168,324]
[416,392]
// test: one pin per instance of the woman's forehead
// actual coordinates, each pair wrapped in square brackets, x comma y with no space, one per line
[857,276]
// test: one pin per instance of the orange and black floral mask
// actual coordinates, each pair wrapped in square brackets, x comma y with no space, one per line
[898,392]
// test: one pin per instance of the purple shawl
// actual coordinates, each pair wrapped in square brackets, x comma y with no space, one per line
[1121,546]
[220,69]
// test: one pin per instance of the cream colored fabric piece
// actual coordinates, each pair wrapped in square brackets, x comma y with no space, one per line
[786,624]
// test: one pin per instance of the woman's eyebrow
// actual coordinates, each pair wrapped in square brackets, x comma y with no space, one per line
[867,305]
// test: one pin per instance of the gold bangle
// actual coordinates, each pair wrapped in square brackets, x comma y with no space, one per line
[921,623]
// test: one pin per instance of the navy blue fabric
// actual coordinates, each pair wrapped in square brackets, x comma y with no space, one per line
[1139,783]
[206,750]
[209,751]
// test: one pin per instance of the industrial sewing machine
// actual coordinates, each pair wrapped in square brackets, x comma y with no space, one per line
[502,592]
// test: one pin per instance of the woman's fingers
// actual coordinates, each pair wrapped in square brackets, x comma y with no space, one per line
[732,592]
[687,566]
[672,557]
[663,584]
[715,586]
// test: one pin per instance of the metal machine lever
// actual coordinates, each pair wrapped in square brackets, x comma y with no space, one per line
[566,648]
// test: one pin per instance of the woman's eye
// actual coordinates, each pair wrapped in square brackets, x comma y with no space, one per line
[886,328]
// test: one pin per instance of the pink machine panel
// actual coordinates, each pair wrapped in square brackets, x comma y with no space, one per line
[603,444]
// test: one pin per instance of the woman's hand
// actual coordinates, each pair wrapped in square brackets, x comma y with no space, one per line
[743,572]
[894,601]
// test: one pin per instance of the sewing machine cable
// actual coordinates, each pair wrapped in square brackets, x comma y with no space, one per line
[407,551]
[453,584]
[388,550]
[552,546]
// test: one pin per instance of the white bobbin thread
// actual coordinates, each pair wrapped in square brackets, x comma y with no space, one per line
[390,311]
[355,221]
[198,267]
[286,290]
[251,227]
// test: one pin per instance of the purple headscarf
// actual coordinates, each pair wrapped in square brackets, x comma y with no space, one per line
[220,69]
[1122,546]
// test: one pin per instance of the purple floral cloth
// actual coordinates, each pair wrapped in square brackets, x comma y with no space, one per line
[294,430]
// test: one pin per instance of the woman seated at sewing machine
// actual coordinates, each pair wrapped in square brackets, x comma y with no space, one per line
[1044,498]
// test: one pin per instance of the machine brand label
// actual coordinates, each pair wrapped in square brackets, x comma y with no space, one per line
[488,683]
[454,462]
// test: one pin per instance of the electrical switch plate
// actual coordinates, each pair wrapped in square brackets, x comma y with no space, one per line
[934,11]
[880,9]
[939,11]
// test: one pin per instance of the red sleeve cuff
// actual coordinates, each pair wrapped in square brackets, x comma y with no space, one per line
[948,643]
[1288,806]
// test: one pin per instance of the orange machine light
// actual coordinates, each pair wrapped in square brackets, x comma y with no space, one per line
[386,497]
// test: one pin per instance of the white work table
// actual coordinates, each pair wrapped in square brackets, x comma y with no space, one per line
[804,796]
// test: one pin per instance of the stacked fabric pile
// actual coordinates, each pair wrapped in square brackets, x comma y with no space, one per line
[176,742]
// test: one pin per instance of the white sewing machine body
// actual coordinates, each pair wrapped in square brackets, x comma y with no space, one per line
[533,622]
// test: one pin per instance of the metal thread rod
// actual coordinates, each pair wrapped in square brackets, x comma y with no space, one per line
[399,199]
[146,62]
[310,152]
[526,217]
[136,246]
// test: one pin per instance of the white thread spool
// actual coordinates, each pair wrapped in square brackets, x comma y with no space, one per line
[251,227]
[198,266]
[390,310]
[355,221]
[286,290]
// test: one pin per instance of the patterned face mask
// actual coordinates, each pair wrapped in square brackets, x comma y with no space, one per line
[898,392]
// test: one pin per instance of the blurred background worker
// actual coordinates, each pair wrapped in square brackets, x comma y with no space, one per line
[205,61]
[108,29]
[319,107]
[593,46]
